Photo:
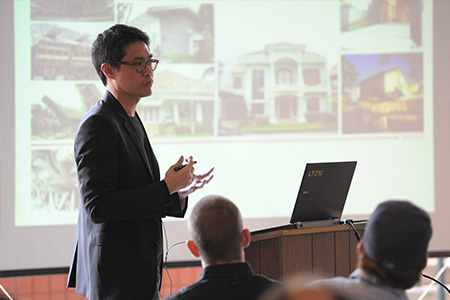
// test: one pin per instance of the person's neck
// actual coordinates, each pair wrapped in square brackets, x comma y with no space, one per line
[221,262]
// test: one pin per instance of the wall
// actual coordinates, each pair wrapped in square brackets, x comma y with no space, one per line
[53,287]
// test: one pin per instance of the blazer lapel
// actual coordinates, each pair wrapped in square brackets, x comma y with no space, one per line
[146,156]
[154,166]
[132,132]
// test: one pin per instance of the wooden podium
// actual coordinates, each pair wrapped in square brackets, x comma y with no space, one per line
[319,251]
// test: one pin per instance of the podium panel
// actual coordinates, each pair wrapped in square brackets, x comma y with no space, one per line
[319,251]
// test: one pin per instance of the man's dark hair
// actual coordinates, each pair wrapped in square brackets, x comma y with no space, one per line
[109,46]
[216,228]
[395,279]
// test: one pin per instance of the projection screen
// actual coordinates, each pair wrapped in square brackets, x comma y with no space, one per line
[256,89]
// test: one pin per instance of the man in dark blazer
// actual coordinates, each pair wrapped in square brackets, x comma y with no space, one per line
[118,246]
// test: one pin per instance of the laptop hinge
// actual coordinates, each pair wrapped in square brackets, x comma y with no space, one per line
[319,223]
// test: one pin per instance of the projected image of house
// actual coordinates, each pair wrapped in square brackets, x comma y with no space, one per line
[382,93]
[282,88]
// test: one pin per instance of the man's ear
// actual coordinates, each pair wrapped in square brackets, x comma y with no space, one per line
[107,69]
[359,249]
[193,248]
[425,261]
[245,238]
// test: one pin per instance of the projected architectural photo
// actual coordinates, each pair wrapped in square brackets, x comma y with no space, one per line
[377,25]
[382,93]
[54,118]
[53,181]
[72,10]
[282,88]
[182,104]
[59,53]
[178,34]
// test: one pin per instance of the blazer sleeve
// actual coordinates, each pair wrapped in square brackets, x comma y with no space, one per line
[176,208]
[113,184]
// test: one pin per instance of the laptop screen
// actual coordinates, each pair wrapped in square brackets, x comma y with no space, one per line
[323,191]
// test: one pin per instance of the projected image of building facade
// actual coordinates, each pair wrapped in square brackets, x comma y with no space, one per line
[282,88]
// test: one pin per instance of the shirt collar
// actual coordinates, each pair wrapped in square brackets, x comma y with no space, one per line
[359,274]
[225,270]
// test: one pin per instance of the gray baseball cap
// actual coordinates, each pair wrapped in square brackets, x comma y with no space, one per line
[397,235]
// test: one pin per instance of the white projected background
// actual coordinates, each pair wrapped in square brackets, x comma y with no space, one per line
[256,89]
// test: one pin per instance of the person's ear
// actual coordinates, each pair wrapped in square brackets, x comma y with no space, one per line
[193,248]
[245,238]
[359,248]
[107,69]
[425,261]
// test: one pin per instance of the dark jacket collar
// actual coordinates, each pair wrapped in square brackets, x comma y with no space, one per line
[226,270]
[115,104]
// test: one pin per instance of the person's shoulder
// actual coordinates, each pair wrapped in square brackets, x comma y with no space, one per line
[100,113]
[333,282]
[339,281]
[95,119]
[261,282]
[192,291]
[267,280]
[183,294]
[100,108]
[353,288]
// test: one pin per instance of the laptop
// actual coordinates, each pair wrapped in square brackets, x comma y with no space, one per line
[321,197]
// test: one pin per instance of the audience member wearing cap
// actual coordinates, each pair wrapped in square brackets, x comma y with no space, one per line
[391,255]
[219,239]
[296,288]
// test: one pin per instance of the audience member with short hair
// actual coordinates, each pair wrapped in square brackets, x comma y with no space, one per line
[219,239]
[391,255]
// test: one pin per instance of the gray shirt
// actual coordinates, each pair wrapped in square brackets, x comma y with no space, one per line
[360,285]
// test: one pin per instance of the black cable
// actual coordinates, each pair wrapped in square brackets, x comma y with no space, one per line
[359,221]
[350,222]
[437,281]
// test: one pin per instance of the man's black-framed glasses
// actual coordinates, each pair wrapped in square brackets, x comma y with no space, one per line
[140,64]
